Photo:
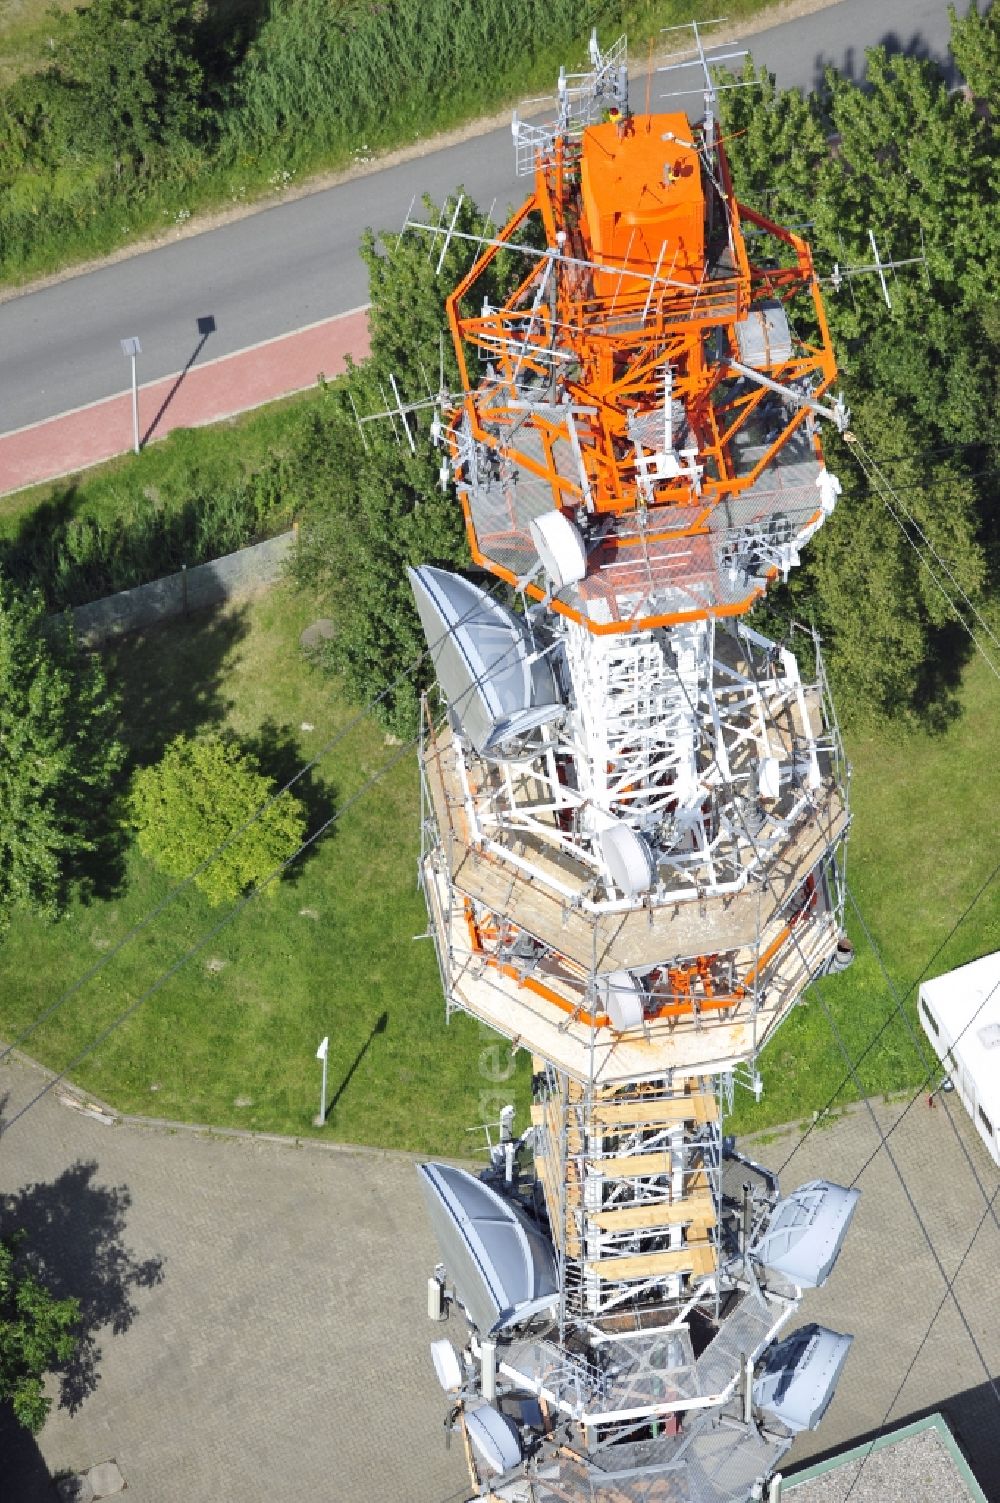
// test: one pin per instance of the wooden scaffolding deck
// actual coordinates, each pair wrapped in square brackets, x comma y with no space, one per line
[616,941]
[689,1045]
[636,1220]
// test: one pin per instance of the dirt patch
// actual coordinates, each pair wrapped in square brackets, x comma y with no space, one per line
[320,631]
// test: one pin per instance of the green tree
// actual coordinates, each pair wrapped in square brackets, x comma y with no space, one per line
[370,513]
[975,46]
[875,579]
[915,163]
[369,506]
[199,795]
[36,1331]
[775,141]
[59,757]
[133,74]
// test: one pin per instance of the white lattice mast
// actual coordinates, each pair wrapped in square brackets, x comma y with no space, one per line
[635,811]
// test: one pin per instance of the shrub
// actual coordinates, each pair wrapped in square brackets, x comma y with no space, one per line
[204,794]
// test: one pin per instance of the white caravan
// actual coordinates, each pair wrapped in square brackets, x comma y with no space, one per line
[960,1013]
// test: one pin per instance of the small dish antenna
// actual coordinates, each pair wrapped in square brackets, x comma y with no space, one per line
[628,858]
[447,1365]
[560,547]
[621,995]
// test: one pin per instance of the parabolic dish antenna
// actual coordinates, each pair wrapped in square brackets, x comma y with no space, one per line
[628,859]
[621,997]
[493,1438]
[560,547]
[497,687]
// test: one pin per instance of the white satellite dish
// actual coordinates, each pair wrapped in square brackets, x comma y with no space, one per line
[621,996]
[628,858]
[560,546]
[494,1438]
[769,779]
[447,1365]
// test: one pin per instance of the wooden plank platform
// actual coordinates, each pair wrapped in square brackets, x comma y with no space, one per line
[599,1055]
[656,1111]
[625,941]
[632,1166]
[697,1208]
[696,1258]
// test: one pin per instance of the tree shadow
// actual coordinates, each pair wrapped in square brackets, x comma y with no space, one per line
[279,756]
[378,1027]
[225,33]
[32,556]
[24,1471]
[75,1247]
[75,560]
[852,65]
[172,678]
[936,702]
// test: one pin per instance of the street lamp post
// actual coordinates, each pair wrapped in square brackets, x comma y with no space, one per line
[321,1053]
[131,348]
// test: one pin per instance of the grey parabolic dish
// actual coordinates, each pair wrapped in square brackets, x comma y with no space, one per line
[806,1232]
[799,1376]
[484,659]
[501,1265]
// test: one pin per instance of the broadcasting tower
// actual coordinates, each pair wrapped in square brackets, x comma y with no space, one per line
[635,814]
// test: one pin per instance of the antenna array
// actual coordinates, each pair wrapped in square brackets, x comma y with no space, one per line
[634,814]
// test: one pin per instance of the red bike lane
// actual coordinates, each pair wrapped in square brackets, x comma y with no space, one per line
[190,398]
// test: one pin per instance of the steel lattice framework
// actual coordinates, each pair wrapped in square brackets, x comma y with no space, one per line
[634,811]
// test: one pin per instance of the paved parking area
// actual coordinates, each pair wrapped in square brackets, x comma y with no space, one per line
[271,1339]
[274,1299]
[888,1286]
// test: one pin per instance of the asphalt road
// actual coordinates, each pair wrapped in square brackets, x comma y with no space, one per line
[296,263]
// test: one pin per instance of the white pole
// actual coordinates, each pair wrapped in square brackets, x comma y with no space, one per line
[135,407]
[322,1053]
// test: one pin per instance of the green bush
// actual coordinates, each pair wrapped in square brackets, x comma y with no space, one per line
[201,794]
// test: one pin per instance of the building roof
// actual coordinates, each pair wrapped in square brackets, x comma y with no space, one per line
[966,1002]
[920,1463]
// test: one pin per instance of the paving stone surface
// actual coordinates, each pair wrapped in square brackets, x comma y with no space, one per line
[284,1350]
[270,1301]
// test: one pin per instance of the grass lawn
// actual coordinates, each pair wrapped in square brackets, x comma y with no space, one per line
[922,843]
[24,31]
[231,1039]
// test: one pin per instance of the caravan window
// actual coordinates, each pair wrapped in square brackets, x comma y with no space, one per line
[932,1020]
[986,1122]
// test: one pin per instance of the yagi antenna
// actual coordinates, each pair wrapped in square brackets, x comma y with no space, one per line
[451,231]
[406,222]
[706,61]
[878,265]
[398,412]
